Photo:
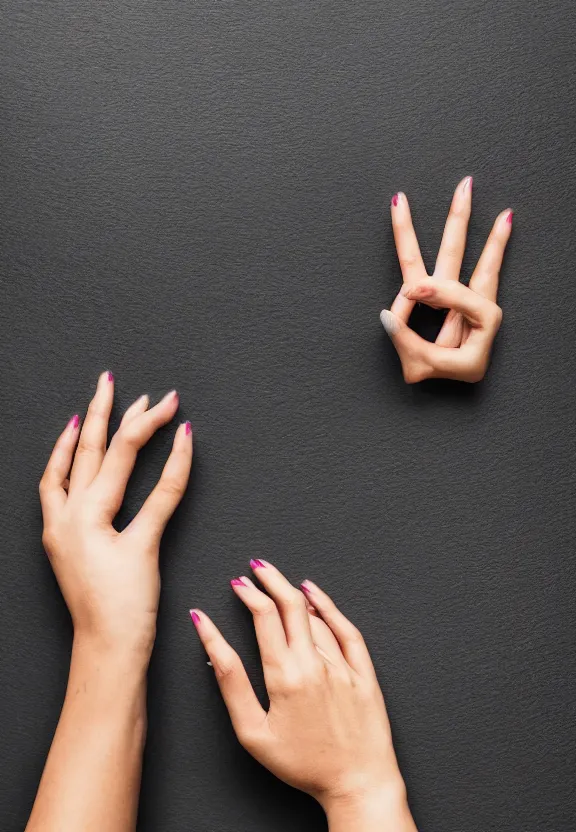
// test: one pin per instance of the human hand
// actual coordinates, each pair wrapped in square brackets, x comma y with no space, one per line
[462,348]
[110,580]
[326,731]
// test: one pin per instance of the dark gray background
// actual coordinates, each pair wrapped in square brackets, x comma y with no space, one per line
[195,194]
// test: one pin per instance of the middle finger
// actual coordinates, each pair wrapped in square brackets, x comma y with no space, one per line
[453,245]
[290,602]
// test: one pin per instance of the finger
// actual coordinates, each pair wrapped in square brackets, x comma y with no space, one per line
[442,294]
[411,348]
[452,330]
[450,256]
[159,507]
[290,603]
[267,622]
[408,250]
[245,711]
[348,636]
[136,408]
[453,245]
[326,642]
[94,434]
[421,360]
[486,275]
[110,484]
[52,485]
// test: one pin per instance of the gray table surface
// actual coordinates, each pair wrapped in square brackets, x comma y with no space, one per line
[195,194]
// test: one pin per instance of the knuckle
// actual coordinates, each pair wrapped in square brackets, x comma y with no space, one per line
[249,739]
[224,669]
[459,211]
[415,371]
[264,607]
[95,409]
[294,601]
[294,681]
[130,434]
[274,681]
[48,539]
[476,375]
[354,635]
[171,486]
[225,666]
[310,674]
[452,252]
[408,261]
[477,370]
[86,445]
[497,315]
[366,691]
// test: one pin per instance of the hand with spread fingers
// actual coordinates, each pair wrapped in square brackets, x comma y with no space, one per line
[110,580]
[326,731]
[111,584]
[462,348]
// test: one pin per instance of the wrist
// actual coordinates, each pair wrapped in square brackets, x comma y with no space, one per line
[378,809]
[109,683]
[112,657]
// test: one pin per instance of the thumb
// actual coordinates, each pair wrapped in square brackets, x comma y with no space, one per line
[411,348]
[420,359]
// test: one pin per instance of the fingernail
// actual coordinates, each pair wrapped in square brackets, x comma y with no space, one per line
[188,428]
[509,217]
[74,421]
[237,582]
[468,182]
[390,322]
[195,617]
[173,394]
[110,376]
[257,564]
[395,200]
[307,587]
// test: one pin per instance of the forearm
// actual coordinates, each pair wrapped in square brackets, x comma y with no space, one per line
[91,779]
[387,811]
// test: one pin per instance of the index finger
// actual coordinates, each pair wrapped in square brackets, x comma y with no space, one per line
[52,492]
[246,712]
[485,278]
[408,249]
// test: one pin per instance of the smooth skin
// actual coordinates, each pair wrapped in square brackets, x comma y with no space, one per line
[326,731]
[111,584]
[462,348]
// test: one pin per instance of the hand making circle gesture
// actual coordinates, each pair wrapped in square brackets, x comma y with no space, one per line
[462,348]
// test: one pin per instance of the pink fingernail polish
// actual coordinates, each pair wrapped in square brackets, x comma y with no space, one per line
[257,564]
[304,586]
[110,376]
[188,428]
[395,200]
[509,217]
[74,421]
[237,582]
[195,617]
[468,182]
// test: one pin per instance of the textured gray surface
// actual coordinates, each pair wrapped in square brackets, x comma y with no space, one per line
[196,195]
